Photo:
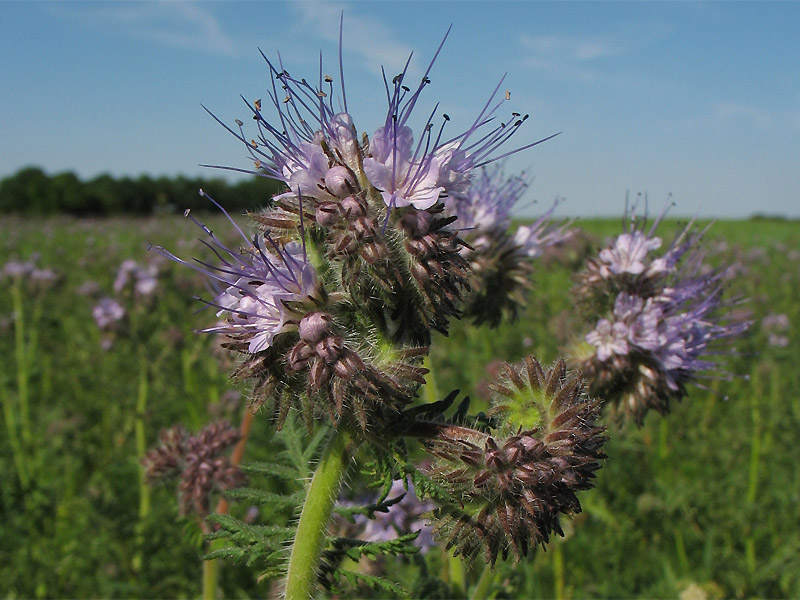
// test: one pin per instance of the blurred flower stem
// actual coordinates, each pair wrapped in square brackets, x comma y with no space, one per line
[211,567]
[17,417]
[317,508]
[484,584]
[141,448]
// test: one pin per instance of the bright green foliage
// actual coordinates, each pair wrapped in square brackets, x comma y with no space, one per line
[706,499]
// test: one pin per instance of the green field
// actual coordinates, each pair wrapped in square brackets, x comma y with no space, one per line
[703,503]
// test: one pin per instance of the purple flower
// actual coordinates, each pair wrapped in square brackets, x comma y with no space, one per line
[144,279]
[610,338]
[311,144]
[630,254]
[661,315]
[403,517]
[107,312]
[18,270]
[260,280]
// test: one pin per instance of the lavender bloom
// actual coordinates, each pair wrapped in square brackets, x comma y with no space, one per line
[259,282]
[311,145]
[775,325]
[630,254]
[107,312]
[403,517]
[660,317]
[144,279]
[610,338]
[18,270]
[500,261]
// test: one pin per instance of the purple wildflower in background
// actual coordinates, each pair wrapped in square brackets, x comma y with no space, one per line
[402,517]
[663,319]
[776,325]
[15,269]
[143,278]
[107,313]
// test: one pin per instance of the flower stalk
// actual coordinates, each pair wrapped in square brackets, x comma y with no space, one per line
[317,508]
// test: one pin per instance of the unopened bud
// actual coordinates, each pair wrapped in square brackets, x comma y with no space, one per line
[313,326]
[339,181]
[327,213]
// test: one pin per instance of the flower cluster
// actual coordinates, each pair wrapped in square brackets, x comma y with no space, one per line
[500,261]
[660,315]
[35,279]
[513,484]
[199,463]
[333,302]
[143,279]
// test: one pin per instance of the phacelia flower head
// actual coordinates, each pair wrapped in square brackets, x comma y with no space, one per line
[356,263]
[199,461]
[262,280]
[511,485]
[660,317]
[501,261]
[378,201]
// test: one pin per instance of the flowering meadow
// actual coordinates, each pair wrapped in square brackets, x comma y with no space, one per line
[703,502]
[377,384]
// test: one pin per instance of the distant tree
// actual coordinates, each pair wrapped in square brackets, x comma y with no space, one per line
[32,191]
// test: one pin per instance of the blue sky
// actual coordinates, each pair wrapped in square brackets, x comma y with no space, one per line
[699,102]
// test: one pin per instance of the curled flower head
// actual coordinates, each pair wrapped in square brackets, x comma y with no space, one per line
[356,262]
[378,199]
[660,316]
[501,262]
[262,280]
[513,484]
[198,460]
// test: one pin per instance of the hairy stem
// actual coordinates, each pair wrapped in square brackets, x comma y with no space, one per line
[310,538]
[484,584]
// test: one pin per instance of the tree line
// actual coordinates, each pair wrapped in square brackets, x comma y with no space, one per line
[32,191]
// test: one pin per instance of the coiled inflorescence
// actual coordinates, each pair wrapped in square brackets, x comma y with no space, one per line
[199,463]
[660,317]
[332,303]
[501,262]
[510,486]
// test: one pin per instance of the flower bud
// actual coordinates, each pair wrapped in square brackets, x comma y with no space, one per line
[339,181]
[313,326]
[512,484]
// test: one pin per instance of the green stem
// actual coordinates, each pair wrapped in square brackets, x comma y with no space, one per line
[558,570]
[309,540]
[210,578]
[18,448]
[484,584]
[144,489]
[22,366]
[458,576]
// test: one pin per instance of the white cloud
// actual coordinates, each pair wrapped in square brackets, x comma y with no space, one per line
[178,24]
[370,39]
[572,57]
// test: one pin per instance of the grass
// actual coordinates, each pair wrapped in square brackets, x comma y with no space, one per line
[704,501]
